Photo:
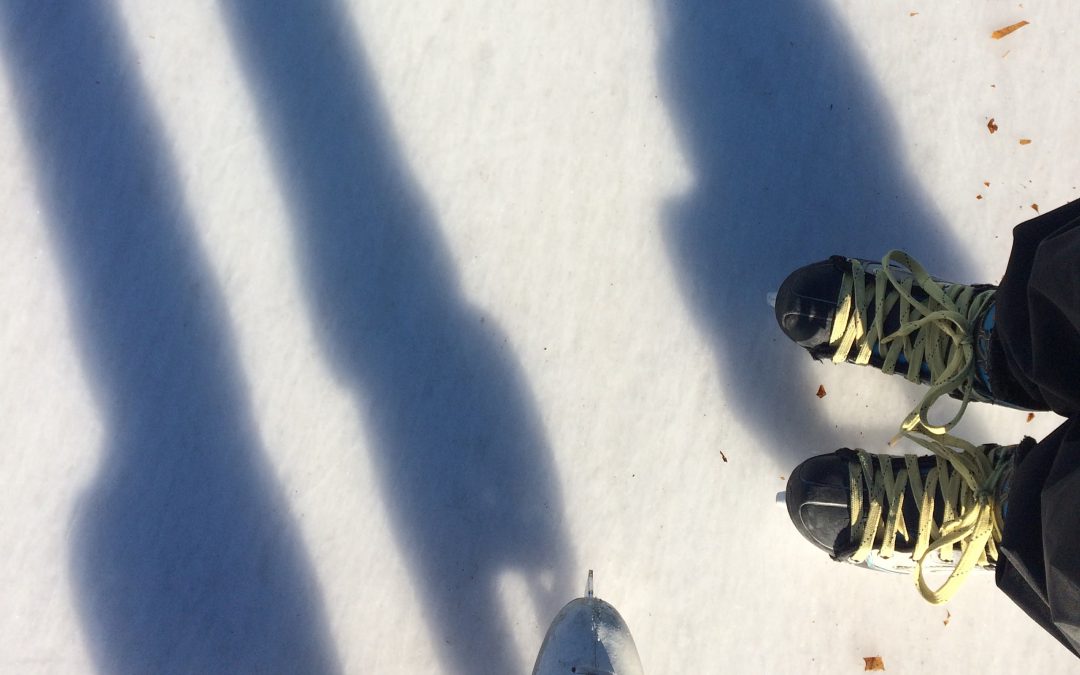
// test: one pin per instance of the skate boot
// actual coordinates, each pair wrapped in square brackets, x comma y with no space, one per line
[895,317]
[939,512]
[588,637]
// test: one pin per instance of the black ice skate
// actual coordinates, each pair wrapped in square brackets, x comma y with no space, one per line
[906,514]
[895,317]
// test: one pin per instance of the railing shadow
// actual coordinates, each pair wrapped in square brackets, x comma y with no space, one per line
[466,472]
[184,556]
[793,152]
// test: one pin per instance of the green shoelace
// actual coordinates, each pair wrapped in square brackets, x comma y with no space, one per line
[966,478]
[936,334]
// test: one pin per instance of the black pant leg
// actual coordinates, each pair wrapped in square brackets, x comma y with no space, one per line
[1039,568]
[1036,349]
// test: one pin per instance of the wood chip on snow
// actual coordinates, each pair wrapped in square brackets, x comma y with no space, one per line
[1008,30]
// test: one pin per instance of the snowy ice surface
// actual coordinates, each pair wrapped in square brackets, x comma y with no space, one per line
[345,336]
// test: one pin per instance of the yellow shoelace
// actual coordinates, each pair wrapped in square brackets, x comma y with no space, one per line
[937,333]
[966,477]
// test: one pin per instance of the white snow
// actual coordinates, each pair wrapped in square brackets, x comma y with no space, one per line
[577,370]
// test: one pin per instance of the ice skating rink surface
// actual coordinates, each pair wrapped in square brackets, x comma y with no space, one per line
[347,336]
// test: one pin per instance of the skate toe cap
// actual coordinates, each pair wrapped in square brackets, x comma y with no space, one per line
[818,503]
[806,303]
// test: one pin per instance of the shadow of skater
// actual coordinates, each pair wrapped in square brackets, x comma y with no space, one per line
[792,152]
[184,556]
[466,473]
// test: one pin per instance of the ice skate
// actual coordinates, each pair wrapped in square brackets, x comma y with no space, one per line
[895,317]
[939,512]
[588,637]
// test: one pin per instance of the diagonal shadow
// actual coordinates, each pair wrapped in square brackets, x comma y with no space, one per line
[184,556]
[466,472]
[792,149]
